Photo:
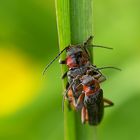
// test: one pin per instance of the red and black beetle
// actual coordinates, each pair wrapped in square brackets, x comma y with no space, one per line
[76,55]
[83,90]
[93,100]
[90,101]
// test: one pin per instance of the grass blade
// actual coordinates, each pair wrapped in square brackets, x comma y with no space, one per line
[75,25]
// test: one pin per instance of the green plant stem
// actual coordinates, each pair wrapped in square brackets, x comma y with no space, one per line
[75,25]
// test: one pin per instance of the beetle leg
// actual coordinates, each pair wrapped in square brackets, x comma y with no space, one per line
[102,79]
[64,75]
[67,85]
[87,115]
[62,61]
[96,74]
[79,103]
[109,103]
[71,99]
[79,87]
[65,94]
[83,114]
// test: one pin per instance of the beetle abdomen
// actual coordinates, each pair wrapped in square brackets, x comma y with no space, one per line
[94,105]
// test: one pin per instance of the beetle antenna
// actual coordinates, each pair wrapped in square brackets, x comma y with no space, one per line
[88,44]
[53,60]
[109,68]
[98,46]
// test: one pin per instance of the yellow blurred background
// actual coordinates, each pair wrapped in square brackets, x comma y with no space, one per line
[30,104]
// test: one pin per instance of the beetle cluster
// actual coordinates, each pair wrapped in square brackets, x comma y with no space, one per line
[83,89]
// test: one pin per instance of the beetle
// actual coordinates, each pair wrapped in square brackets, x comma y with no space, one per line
[73,90]
[91,100]
[76,55]
[79,67]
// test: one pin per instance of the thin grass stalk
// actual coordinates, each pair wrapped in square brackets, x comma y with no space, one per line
[75,25]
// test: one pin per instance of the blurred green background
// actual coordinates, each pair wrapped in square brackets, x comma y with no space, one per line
[30,105]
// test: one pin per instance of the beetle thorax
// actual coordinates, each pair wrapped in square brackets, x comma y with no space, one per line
[76,57]
[90,85]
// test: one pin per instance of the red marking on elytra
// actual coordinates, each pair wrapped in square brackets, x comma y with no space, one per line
[71,62]
[87,88]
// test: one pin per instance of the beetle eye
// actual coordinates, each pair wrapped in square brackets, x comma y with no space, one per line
[79,54]
[92,87]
